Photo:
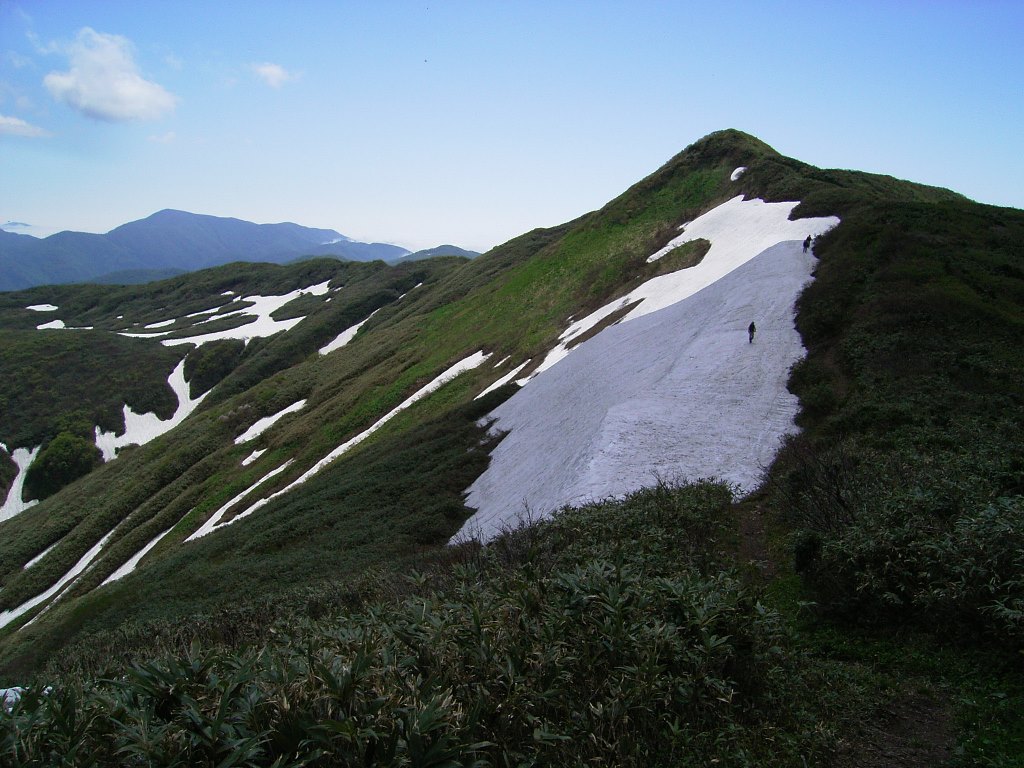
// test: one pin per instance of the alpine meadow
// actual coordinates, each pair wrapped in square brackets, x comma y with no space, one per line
[727,472]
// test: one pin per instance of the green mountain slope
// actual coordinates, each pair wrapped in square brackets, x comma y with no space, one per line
[911,394]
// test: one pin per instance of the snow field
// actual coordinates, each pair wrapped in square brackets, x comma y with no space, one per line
[469,363]
[140,428]
[6,617]
[13,505]
[738,230]
[345,336]
[262,425]
[42,307]
[673,391]
[129,566]
[261,310]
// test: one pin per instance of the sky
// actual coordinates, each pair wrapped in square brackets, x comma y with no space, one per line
[421,123]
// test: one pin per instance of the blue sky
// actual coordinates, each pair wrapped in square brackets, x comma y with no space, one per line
[472,122]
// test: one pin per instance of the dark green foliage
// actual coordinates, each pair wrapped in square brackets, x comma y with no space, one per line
[591,639]
[50,376]
[66,458]
[913,394]
[208,364]
[8,471]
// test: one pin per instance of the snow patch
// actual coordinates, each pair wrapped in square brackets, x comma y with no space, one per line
[40,556]
[261,426]
[42,307]
[467,364]
[52,325]
[253,456]
[140,428]
[161,324]
[735,175]
[213,522]
[76,570]
[738,230]
[129,566]
[13,505]
[677,392]
[345,336]
[503,380]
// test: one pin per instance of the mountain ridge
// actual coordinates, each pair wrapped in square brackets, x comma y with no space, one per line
[909,396]
[171,239]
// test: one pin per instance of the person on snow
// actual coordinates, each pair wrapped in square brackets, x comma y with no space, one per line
[750,332]
[807,243]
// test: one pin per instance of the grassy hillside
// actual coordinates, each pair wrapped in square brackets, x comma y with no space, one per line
[889,566]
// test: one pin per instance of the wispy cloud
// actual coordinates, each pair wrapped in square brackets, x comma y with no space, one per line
[104,83]
[165,138]
[16,60]
[273,75]
[15,126]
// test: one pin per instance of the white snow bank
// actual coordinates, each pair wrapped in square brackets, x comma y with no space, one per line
[77,569]
[261,325]
[52,325]
[213,522]
[253,456]
[261,426]
[40,556]
[504,379]
[738,230]
[345,336]
[129,566]
[467,364]
[140,428]
[13,505]
[42,307]
[676,394]
[734,176]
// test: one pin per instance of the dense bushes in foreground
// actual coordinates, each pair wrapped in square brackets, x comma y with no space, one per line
[609,636]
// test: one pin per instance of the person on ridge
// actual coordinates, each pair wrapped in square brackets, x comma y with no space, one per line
[750,332]
[807,243]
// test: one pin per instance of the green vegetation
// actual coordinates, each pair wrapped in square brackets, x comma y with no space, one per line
[887,589]
[609,635]
[66,458]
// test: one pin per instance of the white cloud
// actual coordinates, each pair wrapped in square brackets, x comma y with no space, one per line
[14,126]
[104,82]
[16,60]
[165,138]
[273,75]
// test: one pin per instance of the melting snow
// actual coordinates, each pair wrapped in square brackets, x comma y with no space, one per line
[253,456]
[52,325]
[738,230]
[345,336]
[13,504]
[467,364]
[503,380]
[129,566]
[737,173]
[261,426]
[40,556]
[140,428]
[210,525]
[42,307]
[677,392]
[261,325]
[76,570]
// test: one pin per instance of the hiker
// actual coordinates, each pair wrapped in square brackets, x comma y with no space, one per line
[807,243]
[750,333]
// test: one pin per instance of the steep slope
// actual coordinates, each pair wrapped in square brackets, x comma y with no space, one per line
[373,467]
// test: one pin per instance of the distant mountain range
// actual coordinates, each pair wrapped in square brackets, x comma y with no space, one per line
[171,242]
